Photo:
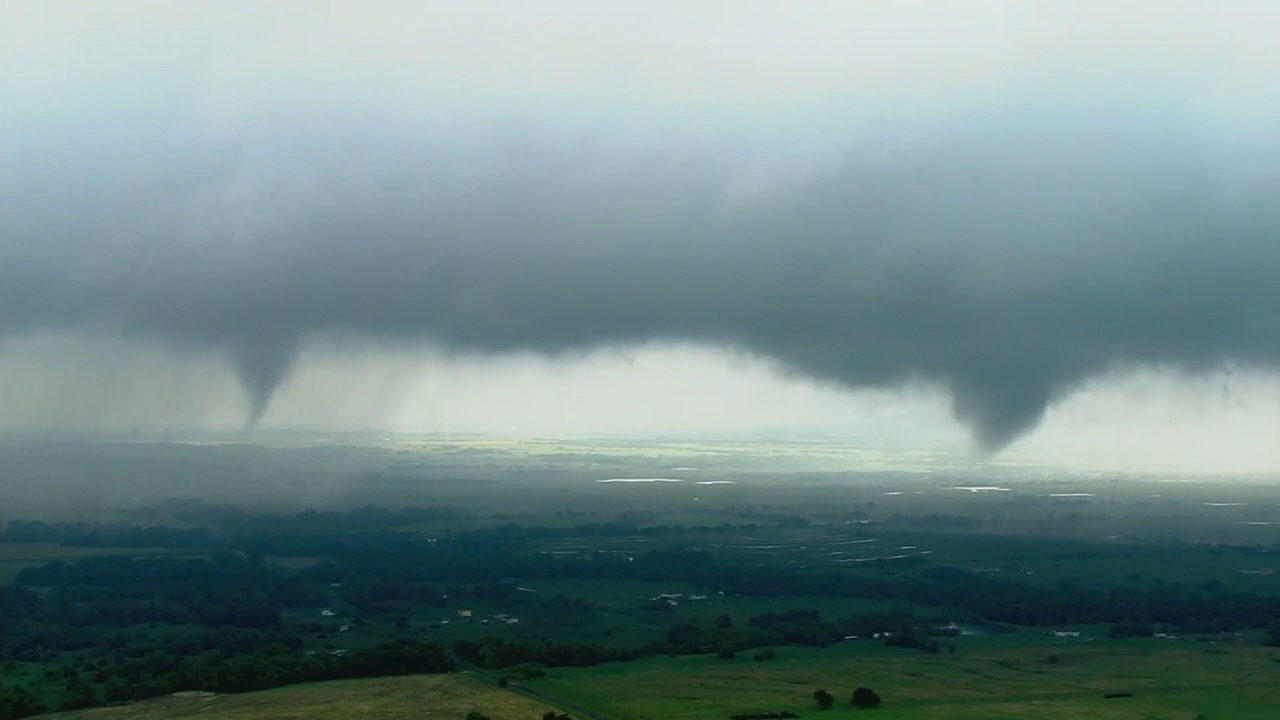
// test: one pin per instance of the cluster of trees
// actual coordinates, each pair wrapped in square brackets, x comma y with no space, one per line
[897,627]
[225,589]
[723,638]
[1119,631]
[274,666]
[549,715]
[232,520]
[268,666]
[214,525]
[791,627]
[487,556]
[18,702]
[494,653]
[387,563]
[1189,611]
[862,698]
[83,534]
[796,627]
[934,521]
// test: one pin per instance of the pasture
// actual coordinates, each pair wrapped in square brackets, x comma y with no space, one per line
[425,697]
[996,677]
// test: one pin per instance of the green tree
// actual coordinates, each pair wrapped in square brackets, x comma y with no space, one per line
[17,702]
[824,698]
[117,690]
[79,694]
[865,698]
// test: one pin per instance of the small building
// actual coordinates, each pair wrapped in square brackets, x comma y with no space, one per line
[464,613]
[326,612]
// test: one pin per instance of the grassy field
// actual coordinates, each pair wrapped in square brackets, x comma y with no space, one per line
[426,697]
[1003,677]
[1008,677]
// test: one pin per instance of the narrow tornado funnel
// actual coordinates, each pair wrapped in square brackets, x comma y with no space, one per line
[998,409]
[262,364]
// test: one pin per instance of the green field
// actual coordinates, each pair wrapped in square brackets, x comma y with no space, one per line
[1009,676]
[429,697]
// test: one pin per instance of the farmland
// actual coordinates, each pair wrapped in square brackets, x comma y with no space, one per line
[998,676]
[443,697]
[679,579]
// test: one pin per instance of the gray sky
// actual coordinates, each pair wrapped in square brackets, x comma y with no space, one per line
[878,218]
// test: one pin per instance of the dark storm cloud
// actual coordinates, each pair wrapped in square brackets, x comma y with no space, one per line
[1007,257]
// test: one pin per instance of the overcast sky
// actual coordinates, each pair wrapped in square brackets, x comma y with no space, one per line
[1055,225]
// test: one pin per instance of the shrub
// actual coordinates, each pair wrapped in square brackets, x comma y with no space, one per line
[865,698]
[823,698]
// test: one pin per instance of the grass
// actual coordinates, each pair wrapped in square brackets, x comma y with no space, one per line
[1005,677]
[990,677]
[429,697]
